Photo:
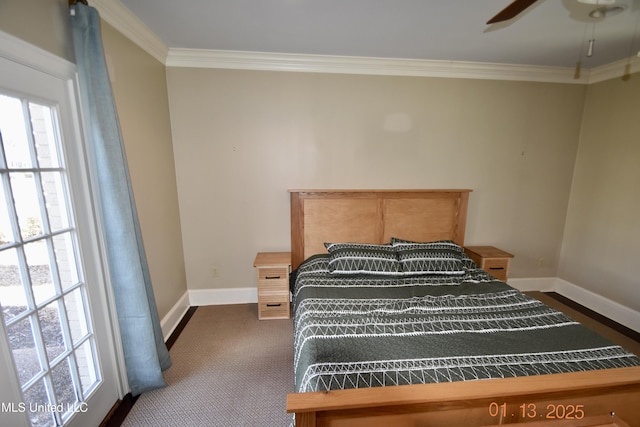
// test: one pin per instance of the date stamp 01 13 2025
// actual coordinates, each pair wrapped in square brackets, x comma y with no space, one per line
[531,411]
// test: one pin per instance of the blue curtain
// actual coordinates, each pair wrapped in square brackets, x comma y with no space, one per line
[145,352]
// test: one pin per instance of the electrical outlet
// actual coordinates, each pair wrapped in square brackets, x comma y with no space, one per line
[542,262]
[214,271]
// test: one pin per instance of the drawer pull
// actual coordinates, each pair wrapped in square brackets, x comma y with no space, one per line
[271,277]
[274,305]
[496,268]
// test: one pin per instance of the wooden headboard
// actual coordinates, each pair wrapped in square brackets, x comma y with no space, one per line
[373,216]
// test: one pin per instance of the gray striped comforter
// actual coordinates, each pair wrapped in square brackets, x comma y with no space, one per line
[374,331]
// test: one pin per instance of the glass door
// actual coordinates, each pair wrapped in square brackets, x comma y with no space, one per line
[56,332]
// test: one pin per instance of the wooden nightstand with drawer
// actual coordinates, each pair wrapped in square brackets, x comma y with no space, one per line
[272,269]
[492,260]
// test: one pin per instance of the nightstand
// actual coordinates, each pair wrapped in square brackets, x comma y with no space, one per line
[272,269]
[492,260]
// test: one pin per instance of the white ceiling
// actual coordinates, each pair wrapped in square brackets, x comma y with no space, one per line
[549,33]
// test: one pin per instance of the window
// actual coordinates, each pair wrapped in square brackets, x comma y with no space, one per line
[42,290]
[56,335]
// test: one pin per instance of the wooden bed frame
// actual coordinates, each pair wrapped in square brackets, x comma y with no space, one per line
[592,398]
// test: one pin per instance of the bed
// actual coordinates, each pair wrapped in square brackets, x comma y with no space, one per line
[395,325]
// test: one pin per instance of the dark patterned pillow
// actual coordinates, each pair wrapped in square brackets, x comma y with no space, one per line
[362,258]
[437,244]
[441,257]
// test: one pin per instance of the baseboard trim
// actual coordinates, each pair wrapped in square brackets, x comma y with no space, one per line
[174,316]
[178,330]
[223,296]
[198,297]
[541,284]
[615,311]
[119,412]
[596,316]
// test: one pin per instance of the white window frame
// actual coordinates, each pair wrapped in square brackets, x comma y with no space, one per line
[94,261]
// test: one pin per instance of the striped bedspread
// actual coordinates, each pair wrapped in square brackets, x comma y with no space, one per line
[373,331]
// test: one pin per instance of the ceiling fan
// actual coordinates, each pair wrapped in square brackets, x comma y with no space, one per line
[511,11]
[518,6]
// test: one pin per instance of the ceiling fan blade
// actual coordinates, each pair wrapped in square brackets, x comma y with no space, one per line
[514,9]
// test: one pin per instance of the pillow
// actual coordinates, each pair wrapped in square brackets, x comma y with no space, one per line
[437,244]
[362,258]
[441,257]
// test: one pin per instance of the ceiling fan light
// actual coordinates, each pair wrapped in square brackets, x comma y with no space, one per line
[597,2]
[604,11]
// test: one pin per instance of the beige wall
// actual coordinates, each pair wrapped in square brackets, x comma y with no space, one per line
[139,86]
[140,90]
[601,246]
[242,138]
[43,23]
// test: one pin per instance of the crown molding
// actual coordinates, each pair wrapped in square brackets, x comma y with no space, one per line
[203,58]
[618,69]
[123,20]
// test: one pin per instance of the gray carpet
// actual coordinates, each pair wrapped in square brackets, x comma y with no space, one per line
[229,369]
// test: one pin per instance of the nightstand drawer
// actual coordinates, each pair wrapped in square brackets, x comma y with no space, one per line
[497,268]
[273,281]
[273,288]
[273,307]
[269,274]
[492,260]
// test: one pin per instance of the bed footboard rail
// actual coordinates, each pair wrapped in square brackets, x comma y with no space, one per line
[558,398]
